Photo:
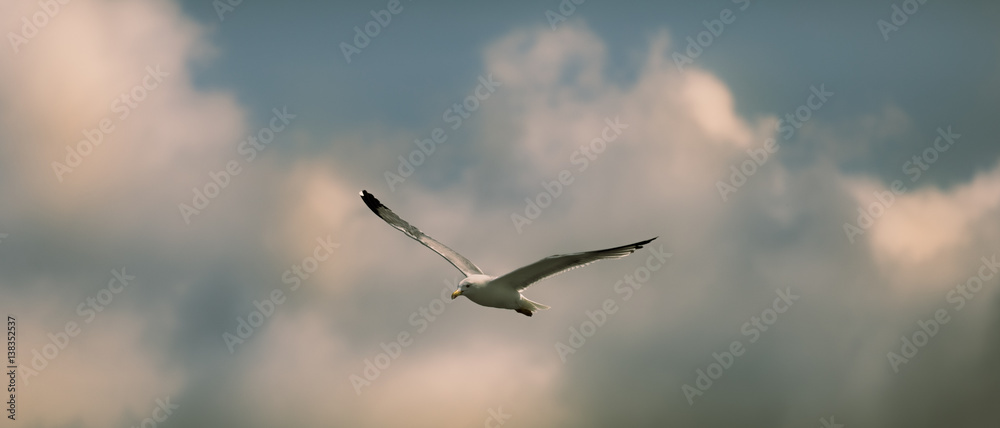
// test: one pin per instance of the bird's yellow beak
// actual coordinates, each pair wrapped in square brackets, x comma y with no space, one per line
[456,294]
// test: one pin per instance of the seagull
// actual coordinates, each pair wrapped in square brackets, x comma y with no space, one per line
[503,291]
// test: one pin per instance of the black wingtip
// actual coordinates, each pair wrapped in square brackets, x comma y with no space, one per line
[639,244]
[371,201]
[630,248]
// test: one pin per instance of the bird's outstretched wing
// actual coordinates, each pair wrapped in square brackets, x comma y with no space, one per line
[522,277]
[463,264]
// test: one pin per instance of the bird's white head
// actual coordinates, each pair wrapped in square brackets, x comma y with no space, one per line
[463,286]
[471,283]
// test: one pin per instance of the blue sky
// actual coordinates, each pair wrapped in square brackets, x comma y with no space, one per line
[834,214]
[765,56]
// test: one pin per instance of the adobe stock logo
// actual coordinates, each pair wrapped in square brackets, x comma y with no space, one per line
[703,40]
[88,310]
[787,127]
[164,408]
[123,104]
[38,21]
[380,21]
[959,295]
[387,353]
[219,180]
[627,287]
[582,156]
[293,278]
[914,168]
[565,10]
[222,8]
[496,418]
[704,379]
[899,17]
[456,115]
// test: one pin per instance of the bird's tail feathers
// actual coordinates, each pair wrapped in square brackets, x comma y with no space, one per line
[532,305]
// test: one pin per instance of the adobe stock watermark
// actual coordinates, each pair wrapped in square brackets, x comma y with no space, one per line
[496,417]
[421,319]
[899,17]
[12,356]
[913,168]
[222,7]
[87,310]
[626,288]
[249,149]
[124,104]
[958,296]
[829,423]
[380,21]
[565,9]
[292,278]
[581,157]
[162,410]
[48,9]
[724,361]
[787,127]
[456,115]
[713,30]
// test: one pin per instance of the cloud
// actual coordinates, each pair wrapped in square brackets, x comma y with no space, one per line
[123,81]
[68,234]
[928,235]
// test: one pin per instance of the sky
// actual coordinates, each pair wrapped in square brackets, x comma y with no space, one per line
[182,242]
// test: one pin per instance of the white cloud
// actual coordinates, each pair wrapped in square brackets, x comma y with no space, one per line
[929,235]
[68,79]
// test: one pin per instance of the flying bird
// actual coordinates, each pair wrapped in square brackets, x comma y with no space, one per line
[499,291]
